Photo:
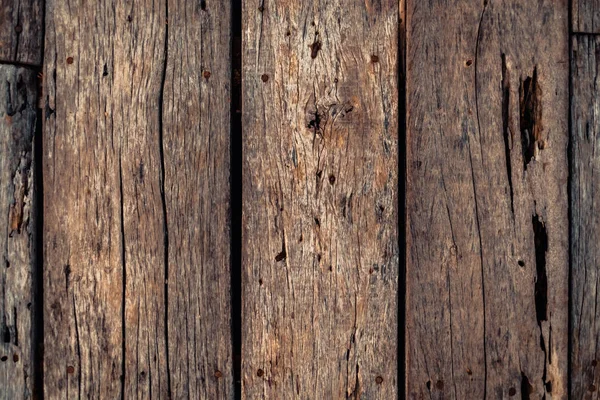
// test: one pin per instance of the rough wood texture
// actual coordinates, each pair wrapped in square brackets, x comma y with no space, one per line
[196,158]
[18,97]
[487,223]
[320,202]
[585,227]
[135,168]
[20,31]
[585,16]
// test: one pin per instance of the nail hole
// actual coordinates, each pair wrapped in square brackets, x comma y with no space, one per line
[521,263]
[206,75]
[469,63]
[18,29]
[374,58]
[15,357]
[260,373]
[264,77]
[3,358]
[70,369]
[69,60]
[379,380]
[332,179]
[512,392]
[218,374]
[439,385]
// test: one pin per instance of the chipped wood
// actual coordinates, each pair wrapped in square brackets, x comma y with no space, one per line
[487,222]
[18,116]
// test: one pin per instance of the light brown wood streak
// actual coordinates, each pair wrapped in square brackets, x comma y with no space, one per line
[319,224]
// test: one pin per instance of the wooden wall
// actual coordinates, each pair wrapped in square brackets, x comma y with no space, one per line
[323,199]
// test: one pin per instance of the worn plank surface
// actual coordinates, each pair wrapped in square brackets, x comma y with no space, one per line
[196,159]
[21,24]
[320,202]
[487,223]
[585,227]
[18,98]
[135,170]
[585,16]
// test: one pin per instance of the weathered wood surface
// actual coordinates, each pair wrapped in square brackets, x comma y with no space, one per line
[18,98]
[585,16]
[487,223]
[585,227]
[136,236]
[21,26]
[320,204]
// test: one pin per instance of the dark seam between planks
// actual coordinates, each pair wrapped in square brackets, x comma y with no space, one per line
[37,275]
[35,67]
[162,193]
[569,200]
[123,282]
[402,175]
[235,192]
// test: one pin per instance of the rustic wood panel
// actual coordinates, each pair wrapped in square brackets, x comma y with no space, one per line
[18,92]
[196,158]
[135,167]
[21,23]
[585,16]
[320,203]
[585,227]
[487,223]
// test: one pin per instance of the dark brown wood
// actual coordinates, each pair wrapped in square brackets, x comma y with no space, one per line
[135,203]
[487,223]
[320,199]
[585,16]
[18,99]
[21,23]
[585,229]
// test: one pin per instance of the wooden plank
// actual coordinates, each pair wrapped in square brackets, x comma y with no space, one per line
[21,24]
[487,223]
[320,202]
[585,16]
[18,89]
[585,229]
[196,157]
[136,285]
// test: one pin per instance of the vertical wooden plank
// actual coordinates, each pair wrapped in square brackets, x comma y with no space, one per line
[196,119]
[136,283]
[320,211]
[585,16]
[585,229]
[487,223]
[18,93]
[21,27]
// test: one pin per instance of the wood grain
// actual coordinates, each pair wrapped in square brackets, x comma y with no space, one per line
[18,92]
[21,27]
[196,157]
[487,223]
[585,16]
[320,204]
[136,167]
[585,227]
